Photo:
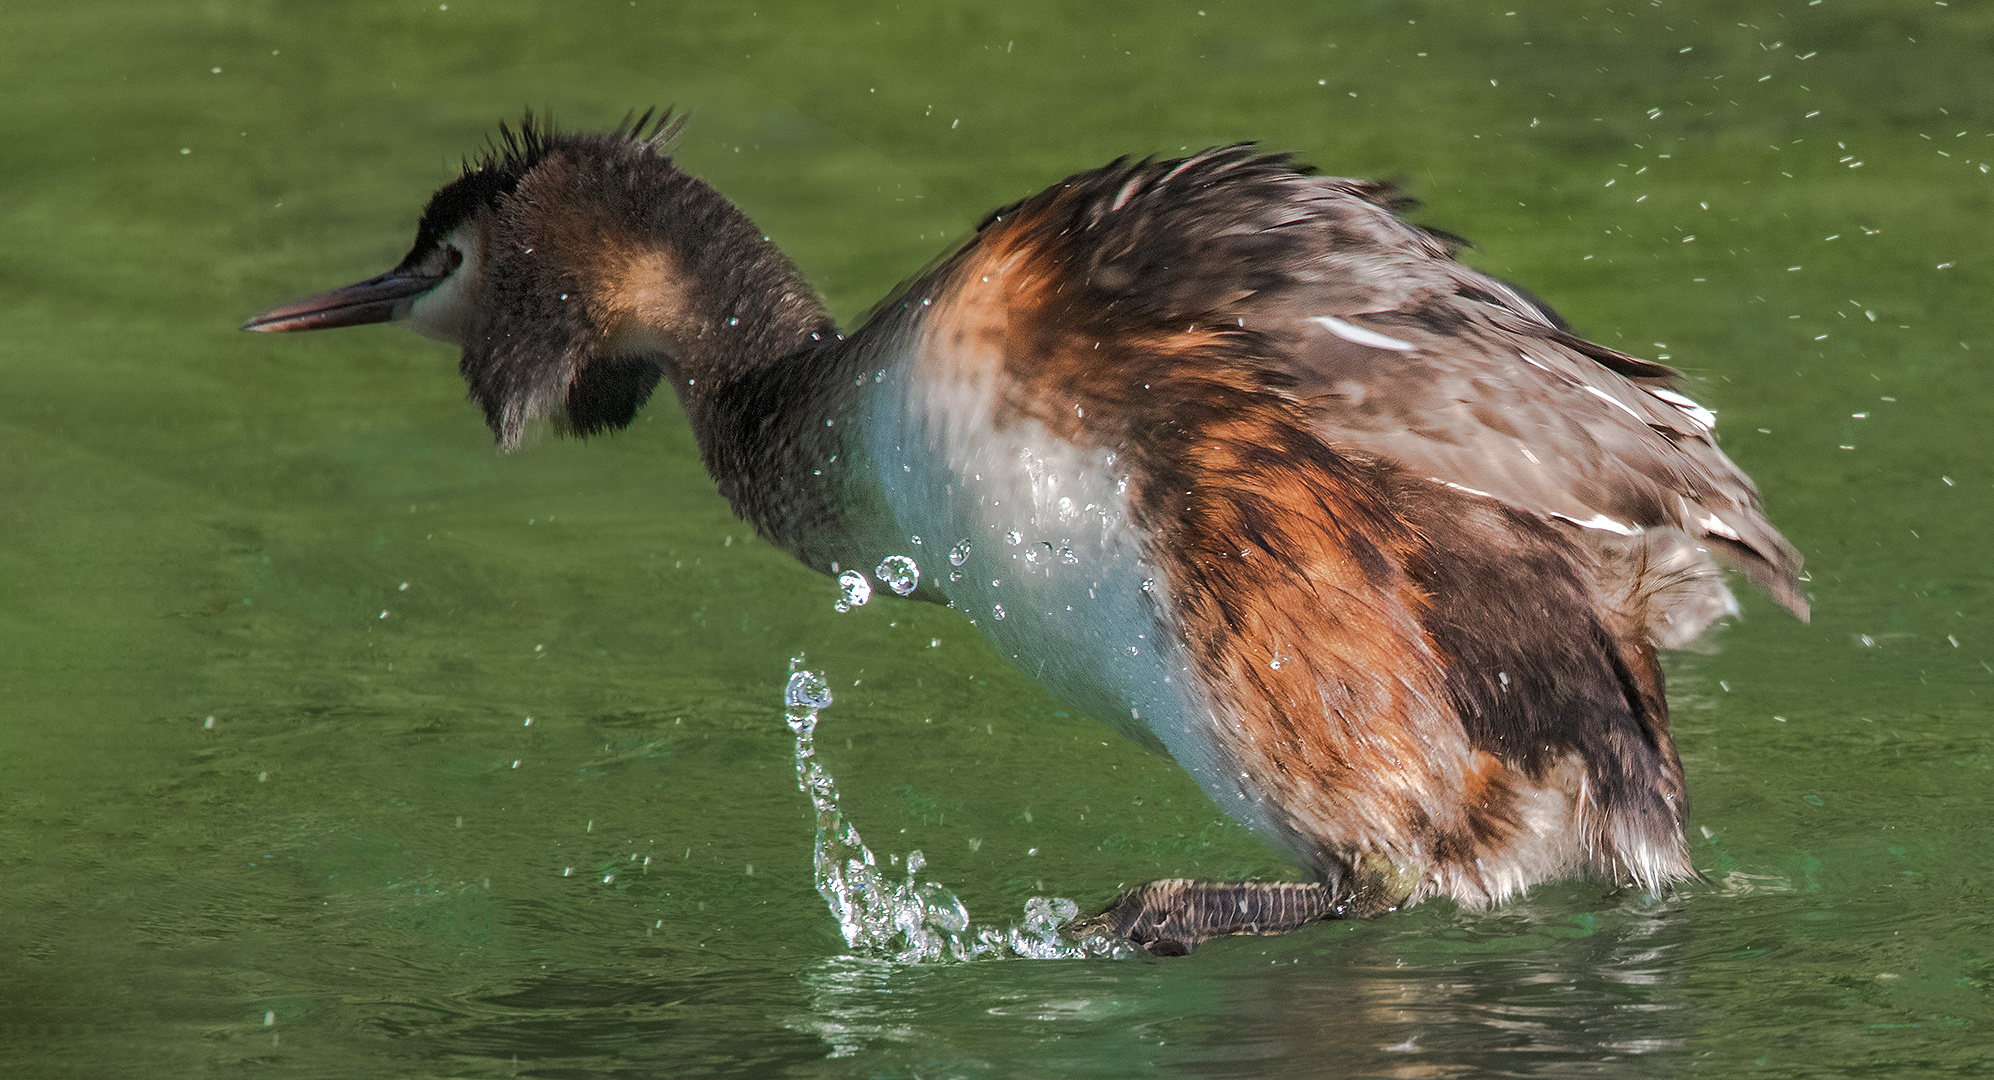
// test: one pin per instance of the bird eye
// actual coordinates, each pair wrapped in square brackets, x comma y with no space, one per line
[452,259]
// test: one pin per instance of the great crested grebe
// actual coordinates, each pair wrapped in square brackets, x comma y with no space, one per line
[1229,455]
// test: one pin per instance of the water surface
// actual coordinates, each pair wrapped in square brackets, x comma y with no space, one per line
[275,614]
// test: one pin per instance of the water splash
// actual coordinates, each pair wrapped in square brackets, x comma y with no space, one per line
[899,573]
[908,921]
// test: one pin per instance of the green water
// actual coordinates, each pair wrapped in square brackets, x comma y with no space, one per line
[369,864]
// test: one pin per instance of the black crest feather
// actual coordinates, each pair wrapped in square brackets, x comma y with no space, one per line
[497,172]
[485,180]
[661,131]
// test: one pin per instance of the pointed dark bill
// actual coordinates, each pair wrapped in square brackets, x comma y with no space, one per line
[377,299]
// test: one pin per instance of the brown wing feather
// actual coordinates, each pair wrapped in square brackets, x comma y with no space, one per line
[1409,357]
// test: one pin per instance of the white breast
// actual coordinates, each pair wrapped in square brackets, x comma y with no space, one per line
[1029,536]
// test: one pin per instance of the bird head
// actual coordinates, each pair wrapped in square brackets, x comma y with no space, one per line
[560,264]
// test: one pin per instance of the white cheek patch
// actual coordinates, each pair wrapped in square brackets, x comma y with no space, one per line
[443,313]
[1354,333]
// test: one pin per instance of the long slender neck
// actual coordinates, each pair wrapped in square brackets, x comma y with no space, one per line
[702,289]
[752,354]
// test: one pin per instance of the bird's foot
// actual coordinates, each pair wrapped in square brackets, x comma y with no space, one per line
[1172,917]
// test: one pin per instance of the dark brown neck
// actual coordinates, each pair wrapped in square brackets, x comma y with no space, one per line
[701,287]
[750,351]
[749,355]
[755,312]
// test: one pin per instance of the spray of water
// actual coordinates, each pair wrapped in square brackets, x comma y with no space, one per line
[909,920]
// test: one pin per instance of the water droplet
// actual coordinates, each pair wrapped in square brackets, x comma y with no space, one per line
[959,554]
[997,610]
[807,689]
[955,575]
[807,692]
[1013,538]
[1039,554]
[853,590]
[1148,584]
[1067,556]
[899,573]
